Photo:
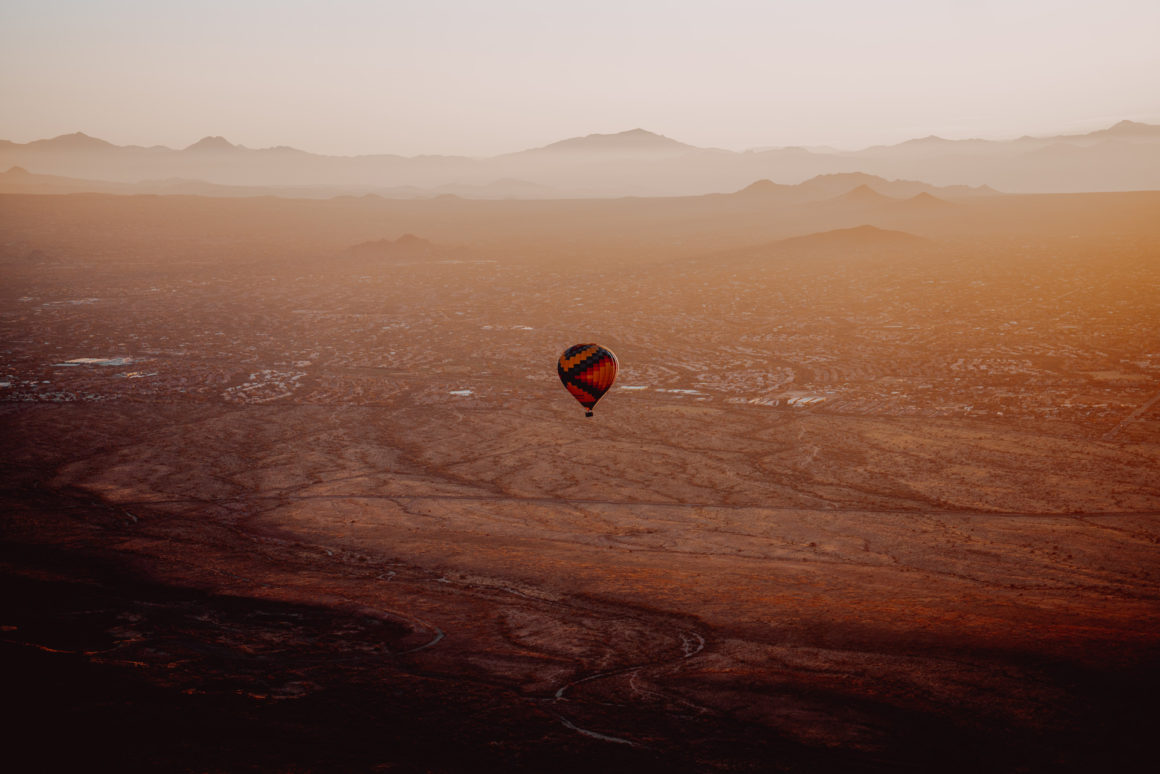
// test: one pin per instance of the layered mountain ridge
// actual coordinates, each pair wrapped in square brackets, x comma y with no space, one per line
[1125,156]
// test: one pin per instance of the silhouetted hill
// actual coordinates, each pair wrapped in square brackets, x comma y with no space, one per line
[927,201]
[1128,129]
[763,188]
[860,237]
[632,141]
[408,247]
[213,145]
[838,244]
[829,186]
[863,194]
[852,188]
[75,142]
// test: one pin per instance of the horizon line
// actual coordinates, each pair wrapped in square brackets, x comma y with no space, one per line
[636,130]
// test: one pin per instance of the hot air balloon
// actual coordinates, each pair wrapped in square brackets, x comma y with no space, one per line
[587,371]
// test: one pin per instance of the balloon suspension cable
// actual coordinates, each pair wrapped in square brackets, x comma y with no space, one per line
[587,413]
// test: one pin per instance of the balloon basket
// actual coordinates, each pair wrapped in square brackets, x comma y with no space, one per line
[587,413]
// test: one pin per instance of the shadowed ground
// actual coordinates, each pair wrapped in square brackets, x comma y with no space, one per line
[340,599]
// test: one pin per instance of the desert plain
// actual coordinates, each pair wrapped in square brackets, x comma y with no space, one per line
[291,485]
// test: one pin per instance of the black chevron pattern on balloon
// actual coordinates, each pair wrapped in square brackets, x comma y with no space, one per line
[596,356]
[591,362]
[595,392]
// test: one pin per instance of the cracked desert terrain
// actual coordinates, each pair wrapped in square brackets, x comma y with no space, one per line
[876,489]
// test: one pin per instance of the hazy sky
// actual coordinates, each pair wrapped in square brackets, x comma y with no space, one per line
[486,77]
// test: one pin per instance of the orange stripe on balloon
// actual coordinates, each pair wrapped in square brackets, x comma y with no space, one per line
[568,363]
[605,373]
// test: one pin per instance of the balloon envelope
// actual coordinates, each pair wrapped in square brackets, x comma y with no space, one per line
[587,371]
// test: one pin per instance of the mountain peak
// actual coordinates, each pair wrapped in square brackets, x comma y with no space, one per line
[926,199]
[863,194]
[634,140]
[763,186]
[1130,129]
[212,144]
[930,139]
[838,183]
[76,141]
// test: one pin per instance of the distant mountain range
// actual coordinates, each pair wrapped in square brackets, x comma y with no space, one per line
[1125,156]
[850,189]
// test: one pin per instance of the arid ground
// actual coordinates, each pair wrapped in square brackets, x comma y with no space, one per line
[285,490]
